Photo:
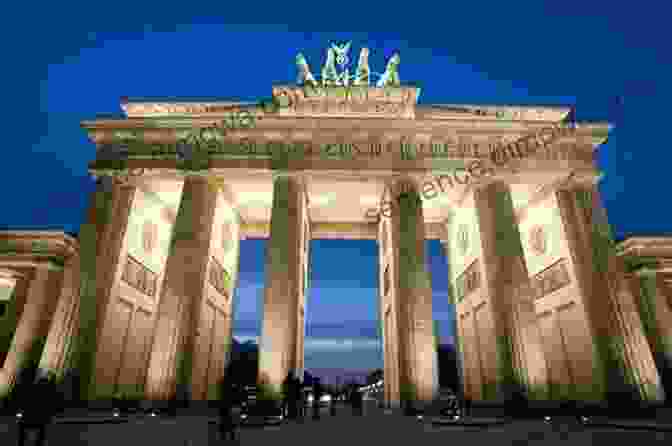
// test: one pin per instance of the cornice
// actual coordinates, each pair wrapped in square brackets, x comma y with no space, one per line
[48,242]
[313,127]
[646,247]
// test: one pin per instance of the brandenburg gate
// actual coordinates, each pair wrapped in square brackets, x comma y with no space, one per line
[142,301]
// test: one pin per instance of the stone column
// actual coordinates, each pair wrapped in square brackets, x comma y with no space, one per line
[620,367]
[388,310]
[12,283]
[171,362]
[414,304]
[101,239]
[303,293]
[59,339]
[33,327]
[507,285]
[284,275]
[656,316]
[452,299]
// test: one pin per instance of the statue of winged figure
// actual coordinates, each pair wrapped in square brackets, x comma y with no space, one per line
[305,76]
[390,77]
[362,75]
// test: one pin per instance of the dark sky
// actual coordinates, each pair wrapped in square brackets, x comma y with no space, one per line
[64,62]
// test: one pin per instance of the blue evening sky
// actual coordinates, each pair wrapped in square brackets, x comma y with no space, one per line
[64,62]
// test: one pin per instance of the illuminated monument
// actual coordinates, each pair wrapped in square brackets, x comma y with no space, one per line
[142,301]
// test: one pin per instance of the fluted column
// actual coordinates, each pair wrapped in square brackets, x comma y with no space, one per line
[389,309]
[59,339]
[656,317]
[414,304]
[457,339]
[100,241]
[622,367]
[507,285]
[33,326]
[284,275]
[171,362]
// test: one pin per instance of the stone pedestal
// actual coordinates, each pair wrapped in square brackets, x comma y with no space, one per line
[281,336]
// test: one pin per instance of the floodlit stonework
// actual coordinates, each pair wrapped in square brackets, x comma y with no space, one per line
[142,302]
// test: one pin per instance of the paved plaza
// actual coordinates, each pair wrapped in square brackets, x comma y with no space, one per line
[345,428]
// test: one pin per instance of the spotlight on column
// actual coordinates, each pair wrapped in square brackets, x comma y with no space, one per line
[115,413]
[152,414]
[456,417]
[584,420]
[419,417]
[547,419]
[19,415]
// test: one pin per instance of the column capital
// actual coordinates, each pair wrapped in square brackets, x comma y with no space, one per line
[299,176]
[10,274]
[581,179]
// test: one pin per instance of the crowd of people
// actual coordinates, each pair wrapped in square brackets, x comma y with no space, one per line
[40,402]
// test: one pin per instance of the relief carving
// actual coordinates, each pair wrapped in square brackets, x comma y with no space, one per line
[139,277]
[468,282]
[551,279]
[218,277]
[538,240]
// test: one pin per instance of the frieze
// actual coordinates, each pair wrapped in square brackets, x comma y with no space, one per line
[139,277]
[551,279]
[196,144]
[468,282]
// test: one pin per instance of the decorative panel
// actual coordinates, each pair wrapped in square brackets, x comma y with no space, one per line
[468,281]
[120,318]
[139,277]
[218,277]
[551,279]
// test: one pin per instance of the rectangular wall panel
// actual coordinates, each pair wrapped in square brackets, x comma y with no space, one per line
[559,372]
[203,348]
[120,318]
[220,331]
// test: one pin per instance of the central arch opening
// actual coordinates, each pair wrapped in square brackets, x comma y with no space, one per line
[343,338]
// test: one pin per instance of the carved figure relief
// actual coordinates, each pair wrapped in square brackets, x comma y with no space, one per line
[463,239]
[551,279]
[468,281]
[538,240]
[226,236]
[149,233]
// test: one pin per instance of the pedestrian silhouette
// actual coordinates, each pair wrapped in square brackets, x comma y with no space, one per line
[39,405]
[357,403]
[332,402]
[227,424]
[294,397]
[317,396]
[288,395]
[301,400]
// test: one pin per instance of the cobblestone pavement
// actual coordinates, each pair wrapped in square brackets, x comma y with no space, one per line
[345,428]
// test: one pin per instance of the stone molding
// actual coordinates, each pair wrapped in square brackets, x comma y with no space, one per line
[341,101]
[30,249]
[646,247]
